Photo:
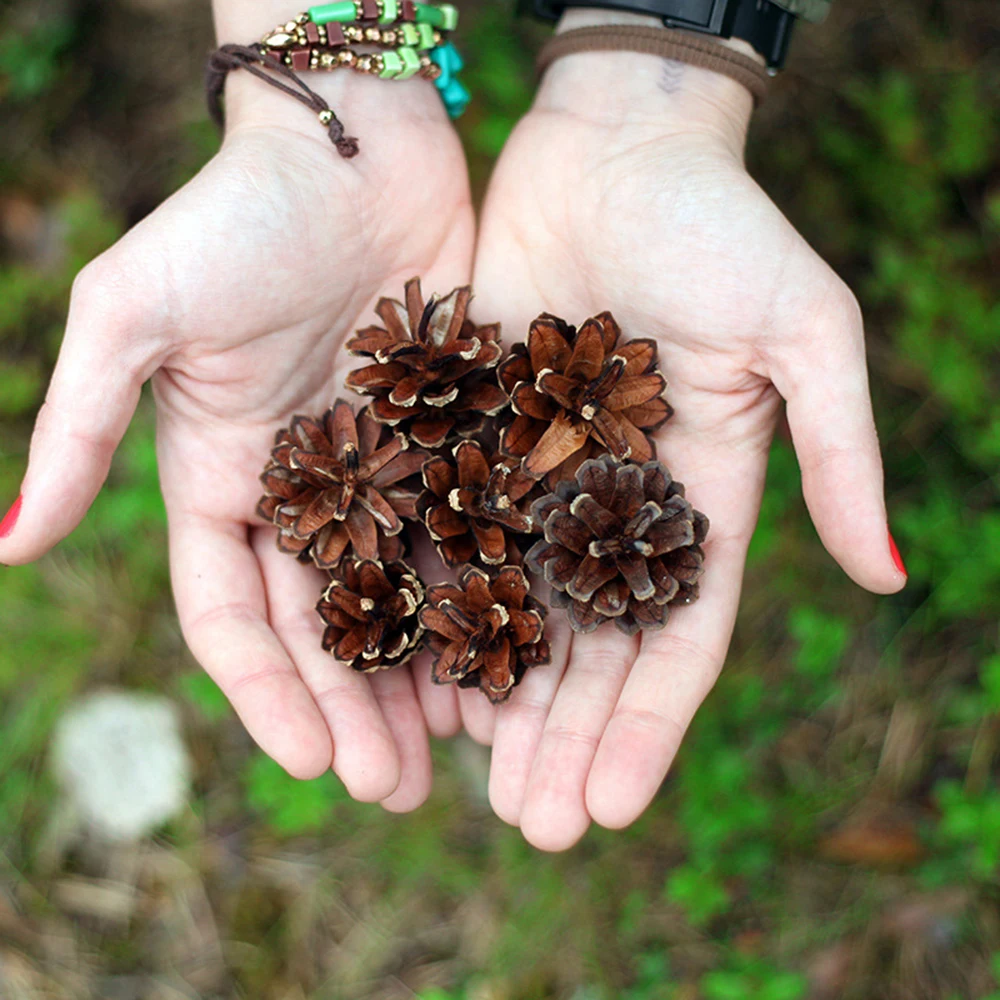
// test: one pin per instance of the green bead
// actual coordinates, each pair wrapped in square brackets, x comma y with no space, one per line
[409,32]
[411,62]
[449,15]
[390,11]
[324,14]
[426,33]
[392,65]
[426,14]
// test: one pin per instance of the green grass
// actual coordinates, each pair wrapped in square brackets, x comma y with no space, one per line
[835,705]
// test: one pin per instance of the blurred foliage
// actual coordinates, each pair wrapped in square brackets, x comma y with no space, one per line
[832,826]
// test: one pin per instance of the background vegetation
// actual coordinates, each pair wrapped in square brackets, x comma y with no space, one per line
[832,827]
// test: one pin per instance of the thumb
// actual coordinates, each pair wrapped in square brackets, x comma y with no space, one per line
[111,346]
[825,384]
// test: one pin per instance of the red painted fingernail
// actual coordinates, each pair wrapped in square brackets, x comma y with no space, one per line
[7,524]
[896,557]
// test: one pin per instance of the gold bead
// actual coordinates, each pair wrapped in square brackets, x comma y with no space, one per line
[302,18]
[364,64]
[389,37]
[353,33]
[326,60]
[371,34]
[326,116]
[346,57]
[290,26]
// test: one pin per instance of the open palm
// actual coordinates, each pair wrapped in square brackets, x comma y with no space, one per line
[661,224]
[236,297]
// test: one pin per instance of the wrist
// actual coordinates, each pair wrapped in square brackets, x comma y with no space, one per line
[631,88]
[363,102]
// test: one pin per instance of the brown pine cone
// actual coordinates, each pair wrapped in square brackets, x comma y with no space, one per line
[338,483]
[621,542]
[486,632]
[371,614]
[580,394]
[431,362]
[470,506]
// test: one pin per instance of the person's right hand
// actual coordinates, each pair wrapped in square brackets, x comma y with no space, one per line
[236,297]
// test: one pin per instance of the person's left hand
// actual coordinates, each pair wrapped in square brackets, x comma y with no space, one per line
[624,189]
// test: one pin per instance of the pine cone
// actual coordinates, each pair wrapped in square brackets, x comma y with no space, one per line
[620,542]
[371,615]
[431,360]
[580,394]
[469,506]
[337,483]
[486,632]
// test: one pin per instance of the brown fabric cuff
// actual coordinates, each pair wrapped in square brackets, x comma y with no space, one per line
[663,42]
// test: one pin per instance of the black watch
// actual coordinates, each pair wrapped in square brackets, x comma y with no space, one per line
[766,26]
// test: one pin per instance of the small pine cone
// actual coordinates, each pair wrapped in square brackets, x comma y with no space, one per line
[431,364]
[470,506]
[371,614]
[580,394]
[621,542]
[337,484]
[486,632]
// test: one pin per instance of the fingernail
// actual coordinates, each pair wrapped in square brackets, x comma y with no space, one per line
[896,557]
[7,524]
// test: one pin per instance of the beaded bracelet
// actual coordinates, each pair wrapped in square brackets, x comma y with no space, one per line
[413,35]
[411,38]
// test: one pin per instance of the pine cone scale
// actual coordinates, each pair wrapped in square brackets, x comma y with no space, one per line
[327,506]
[587,358]
[547,345]
[526,400]
[561,440]
[402,467]
[635,391]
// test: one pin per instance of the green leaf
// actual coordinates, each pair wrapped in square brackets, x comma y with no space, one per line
[290,806]
[205,695]
[699,894]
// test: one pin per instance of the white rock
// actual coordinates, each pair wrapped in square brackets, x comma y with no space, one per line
[121,762]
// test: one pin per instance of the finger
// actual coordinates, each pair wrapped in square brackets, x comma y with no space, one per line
[554,815]
[113,343]
[222,607]
[397,698]
[677,667]
[674,672]
[833,430]
[364,751]
[438,702]
[521,722]
[478,715]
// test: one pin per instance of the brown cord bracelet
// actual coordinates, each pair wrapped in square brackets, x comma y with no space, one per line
[254,59]
[663,42]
